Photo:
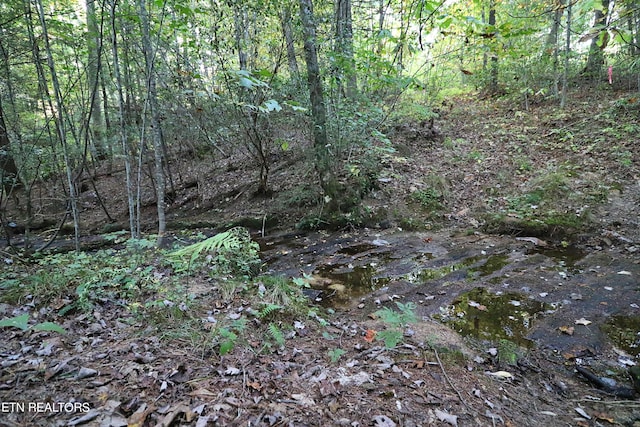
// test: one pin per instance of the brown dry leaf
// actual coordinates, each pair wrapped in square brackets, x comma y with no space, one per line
[138,418]
[604,417]
[255,385]
[370,335]
[202,392]
[174,412]
[418,364]
[567,330]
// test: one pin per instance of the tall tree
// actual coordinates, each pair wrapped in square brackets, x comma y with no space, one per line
[156,127]
[316,97]
[122,128]
[94,47]
[287,31]
[344,47]
[60,123]
[493,79]
[8,168]
[599,41]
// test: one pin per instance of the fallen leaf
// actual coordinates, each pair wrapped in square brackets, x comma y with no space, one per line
[503,375]
[370,335]
[203,392]
[477,306]
[566,330]
[138,418]
[383,421]
[446,417]
[582,413]
[604,417]
[533,240]
[303,399]
[583,321]
[255,385]
[232,371]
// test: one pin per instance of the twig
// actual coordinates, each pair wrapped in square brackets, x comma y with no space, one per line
[449,380]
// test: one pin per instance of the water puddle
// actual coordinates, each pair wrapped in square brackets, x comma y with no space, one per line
[472,267]
[488,316]
[566,258]
[624,332]
[342,284]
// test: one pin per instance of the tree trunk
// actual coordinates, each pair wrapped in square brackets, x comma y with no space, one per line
[565,73]
[8,167]
[316,97]
[551,48]
[126,152]
[60,126]
[94,46]
[287,31]
[241,35]
[595,60]
[344,47]
[493,81]
[155,119]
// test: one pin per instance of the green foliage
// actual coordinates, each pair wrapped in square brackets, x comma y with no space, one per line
[507,352]
[335,354]
[269,310]
[428,198]
[229,335]
[281,294]
[396,322]
[22,322]
[276,334]
[79,280]
[232,252]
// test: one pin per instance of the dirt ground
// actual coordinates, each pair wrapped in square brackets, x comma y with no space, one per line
[112,369]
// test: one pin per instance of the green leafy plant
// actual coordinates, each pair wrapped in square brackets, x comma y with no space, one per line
[335,354]
[228,335]
[396,322]
[276,333]
[22,322]
[230,252]
[428,198]
[268,310]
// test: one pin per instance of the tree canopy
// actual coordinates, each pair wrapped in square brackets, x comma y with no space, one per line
[98,85]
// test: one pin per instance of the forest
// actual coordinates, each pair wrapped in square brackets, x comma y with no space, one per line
[307,212]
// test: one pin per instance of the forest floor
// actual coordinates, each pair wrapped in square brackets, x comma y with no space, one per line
[540,205]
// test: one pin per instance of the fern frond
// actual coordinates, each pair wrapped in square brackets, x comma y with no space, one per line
[276,334]
[229,240]
[269,309]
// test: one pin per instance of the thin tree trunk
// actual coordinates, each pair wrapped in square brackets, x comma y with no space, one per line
[155,119]
[493,83]
[344,46]
[241,35]
[316,96]
[8,168]
[126,152]
[287,31]
[552,45]
[94,46]
[565,73]
[60,126]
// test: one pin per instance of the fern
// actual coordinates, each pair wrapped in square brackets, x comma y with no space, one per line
[228,240]
[234,243]
[276,334]
[269,309]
